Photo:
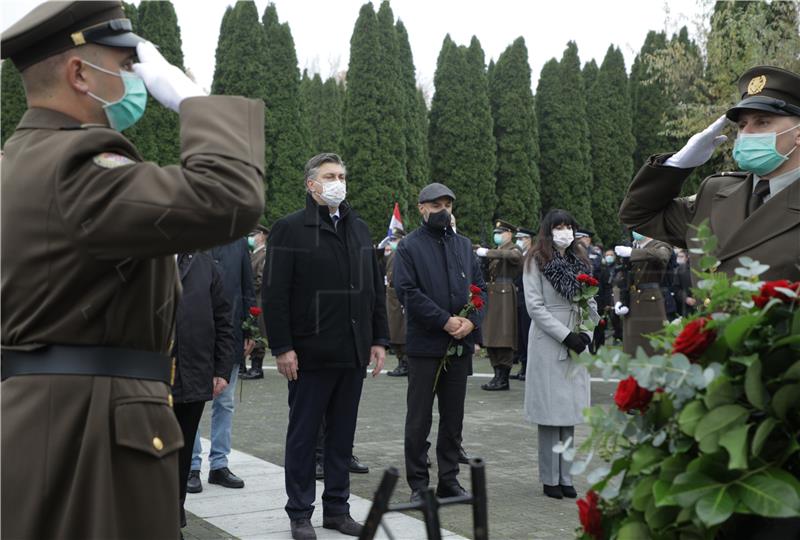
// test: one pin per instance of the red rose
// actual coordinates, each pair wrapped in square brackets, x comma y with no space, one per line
[630,395]
[590,516]
[602,323]
[255,311]
[768,291]
[586,279]
[693,340]
[476,301]
[474,289]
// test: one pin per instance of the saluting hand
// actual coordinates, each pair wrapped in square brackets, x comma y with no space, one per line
[165,82]
[700,147]
[377,356]
[287,365]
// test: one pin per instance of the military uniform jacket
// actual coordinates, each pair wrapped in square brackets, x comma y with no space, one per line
[770,235]
[89,227]
[500,324]
[394,311]
[257,259]
[647,314]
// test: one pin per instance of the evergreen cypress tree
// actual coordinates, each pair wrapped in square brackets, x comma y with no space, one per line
[12,100]
[285,133]
[157,135]
[612,144]
[461,138]
[648,103]
[373,142]
[415,122]
[564,138]
[514,128]
[131,13]
[589,72]
[331,116]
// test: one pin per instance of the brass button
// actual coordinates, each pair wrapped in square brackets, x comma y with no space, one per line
[170,400]
[652,298]
[158,444]
[638,290]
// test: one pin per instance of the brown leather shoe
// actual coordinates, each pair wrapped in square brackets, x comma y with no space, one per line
[343,523]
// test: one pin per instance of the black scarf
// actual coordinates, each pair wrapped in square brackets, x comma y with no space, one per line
[562,271]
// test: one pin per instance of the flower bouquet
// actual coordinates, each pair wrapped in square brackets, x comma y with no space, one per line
[250,326]
[474,304]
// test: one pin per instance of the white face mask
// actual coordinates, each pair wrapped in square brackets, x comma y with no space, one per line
[521,244]
[333,193]
[562,238]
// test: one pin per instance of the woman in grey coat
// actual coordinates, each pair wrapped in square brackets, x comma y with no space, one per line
[556,388]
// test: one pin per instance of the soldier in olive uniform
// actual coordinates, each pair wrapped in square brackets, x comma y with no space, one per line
[258,242]
[754,213]
[500,324]
[394,312]
[89,280]
[642,308]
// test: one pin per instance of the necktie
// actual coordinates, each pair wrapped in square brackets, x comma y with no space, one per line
[757,198]
[335,220]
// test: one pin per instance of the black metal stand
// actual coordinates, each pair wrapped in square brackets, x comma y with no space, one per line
[429,505]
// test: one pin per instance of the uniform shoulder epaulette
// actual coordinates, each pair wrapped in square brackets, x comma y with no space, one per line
[739,174]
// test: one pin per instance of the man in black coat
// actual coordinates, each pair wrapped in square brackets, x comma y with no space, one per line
[203,350]
[325,316]
[433,271]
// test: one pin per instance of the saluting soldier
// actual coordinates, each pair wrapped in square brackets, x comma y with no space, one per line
[753,213]
[500,326]
[394,311]
[642,308]
[89,279]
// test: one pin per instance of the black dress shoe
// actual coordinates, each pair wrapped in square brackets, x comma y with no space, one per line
[253,373]
[553,491]
[242,369]
[225,478]
[450,490]
[193,484]
[462,455]
[568,491]
[357,467]
[400,371]
[302,530]
[344,524]
[319,471]
[416,495]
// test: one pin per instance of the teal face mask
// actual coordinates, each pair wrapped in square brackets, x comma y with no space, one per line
[251,242]
[609,259]
[498,239]
[638,237]
[758,153]
[128,109]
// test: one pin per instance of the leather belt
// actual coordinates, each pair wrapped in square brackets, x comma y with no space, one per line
[648,285]
[87,360]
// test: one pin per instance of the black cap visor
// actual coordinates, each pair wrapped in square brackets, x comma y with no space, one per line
[763,103]
[113,33]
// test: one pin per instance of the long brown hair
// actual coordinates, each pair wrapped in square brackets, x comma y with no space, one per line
[542,251]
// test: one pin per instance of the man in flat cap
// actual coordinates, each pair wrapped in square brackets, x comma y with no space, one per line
[89,440]
[433,271]
[753,213]
[500,324]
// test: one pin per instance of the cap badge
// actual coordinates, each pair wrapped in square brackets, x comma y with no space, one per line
[757,84]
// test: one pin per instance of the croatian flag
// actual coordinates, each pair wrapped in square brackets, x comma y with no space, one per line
[396,222]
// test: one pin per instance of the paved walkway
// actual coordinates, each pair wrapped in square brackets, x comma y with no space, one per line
[494,429]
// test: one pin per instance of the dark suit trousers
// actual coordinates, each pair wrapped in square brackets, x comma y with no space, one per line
[332,394]
[188,415]
[451,391]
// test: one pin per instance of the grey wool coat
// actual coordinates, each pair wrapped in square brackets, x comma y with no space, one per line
[556,388]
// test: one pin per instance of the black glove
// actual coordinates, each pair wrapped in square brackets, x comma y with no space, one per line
[577,342]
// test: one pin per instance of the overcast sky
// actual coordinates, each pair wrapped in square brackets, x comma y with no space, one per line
[322,28]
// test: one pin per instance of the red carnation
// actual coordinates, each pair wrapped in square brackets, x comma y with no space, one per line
[590,516]
[586,279]
[630,395]
[602,323]
[255,311]
[474,289]
[693,340]
[768,291]
[477,301]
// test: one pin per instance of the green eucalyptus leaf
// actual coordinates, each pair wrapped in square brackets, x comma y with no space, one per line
[769,496]
[786,399]
[753,387]
[643,493]
[735,442]
[715,506]
[689,417]
[761,435]
[634,530]
[720,420]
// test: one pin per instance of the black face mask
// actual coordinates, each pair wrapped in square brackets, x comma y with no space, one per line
[439,220]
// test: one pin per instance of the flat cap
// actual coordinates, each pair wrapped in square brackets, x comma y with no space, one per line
[770,89]
[583,233]
[261,228]
[503,226]
[523,232]
[434,191]
[54,27]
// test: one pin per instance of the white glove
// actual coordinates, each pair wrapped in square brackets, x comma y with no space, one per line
[481,252]
[623,251]
[699,148]
[165,82]
[620,310]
